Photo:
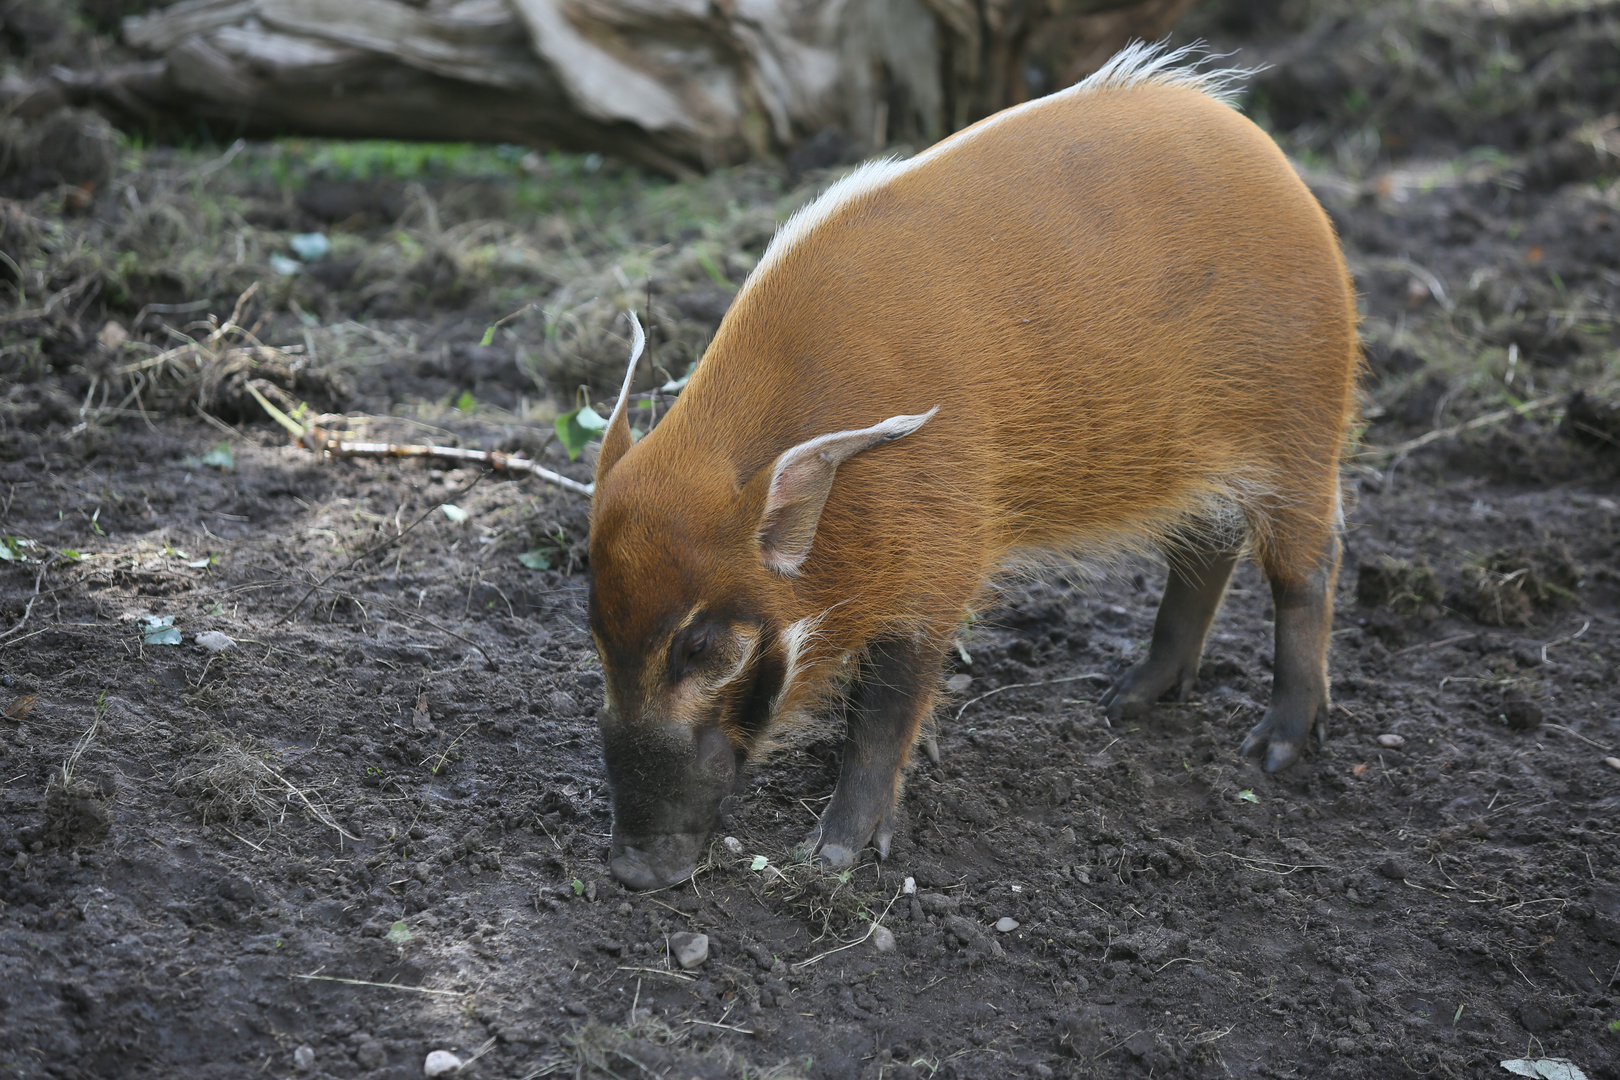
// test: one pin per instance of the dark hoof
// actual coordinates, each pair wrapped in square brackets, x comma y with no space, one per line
[1134,693]
[657,861]
[1266,740]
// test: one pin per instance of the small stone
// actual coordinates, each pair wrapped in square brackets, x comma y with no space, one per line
[733,845]
[1391,741]
[1006,924]
[371,1054]
[958,683]
[304,1058]
[562,703]
[1613,763]
[883,939]
[214,642]
[1392,869]
[690,950]
[441,1063]
[910,887]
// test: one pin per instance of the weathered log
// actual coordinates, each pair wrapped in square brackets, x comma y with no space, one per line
[674,85]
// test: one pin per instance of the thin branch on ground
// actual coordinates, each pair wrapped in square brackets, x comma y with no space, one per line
[324,443]
[1021,685]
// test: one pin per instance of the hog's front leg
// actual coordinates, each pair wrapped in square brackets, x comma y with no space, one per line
[895,692]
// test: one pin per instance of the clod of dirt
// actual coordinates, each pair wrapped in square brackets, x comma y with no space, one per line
[440,1063]
[1403,587]
[371,1054]
[70,146]
[1594,420]
[1509,586]
[1391,741]
[1521,713]
[76,811]
[1151,945]
[1081,1034]
[1393,869]
[691,950]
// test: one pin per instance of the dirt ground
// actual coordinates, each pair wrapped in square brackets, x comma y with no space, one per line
[373,825]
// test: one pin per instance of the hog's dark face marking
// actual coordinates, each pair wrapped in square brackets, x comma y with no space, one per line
[692,666]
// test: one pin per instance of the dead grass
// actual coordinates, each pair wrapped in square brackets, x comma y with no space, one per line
[228,780]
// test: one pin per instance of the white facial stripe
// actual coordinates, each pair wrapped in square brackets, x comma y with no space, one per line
[795,640]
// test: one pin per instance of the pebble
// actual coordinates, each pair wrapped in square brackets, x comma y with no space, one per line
[440,1063]
[733,845]
[910,887]
[958,683]
[214,642]
[1391,741]
[1612,762]
[304,1058]
[883,939]
[1006,924]
[690,950]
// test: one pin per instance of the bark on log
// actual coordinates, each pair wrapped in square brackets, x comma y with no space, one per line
[673,85]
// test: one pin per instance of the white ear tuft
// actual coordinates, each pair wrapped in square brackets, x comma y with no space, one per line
[616,438]
[801,480]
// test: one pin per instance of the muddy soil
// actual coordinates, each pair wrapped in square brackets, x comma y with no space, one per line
[369,822]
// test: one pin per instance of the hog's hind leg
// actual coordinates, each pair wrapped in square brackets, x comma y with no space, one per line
[895,693]
[1197,582]
[1303,572]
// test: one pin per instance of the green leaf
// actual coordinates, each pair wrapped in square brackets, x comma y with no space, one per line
[6,554]
[159,630]
[760,862]
[454,512]
[577,428]
[72,556]
[489,335]
[1248,796]
[535,560]
[220,457]
[466,403]
[399,933]
[579,887]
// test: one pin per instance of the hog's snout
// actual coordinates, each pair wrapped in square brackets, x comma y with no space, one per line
[668,785]
[656,861]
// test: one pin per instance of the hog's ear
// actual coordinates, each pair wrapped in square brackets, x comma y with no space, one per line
[801,479]
[616,438]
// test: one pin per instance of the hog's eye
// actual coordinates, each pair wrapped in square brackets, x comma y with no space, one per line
[690,649]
